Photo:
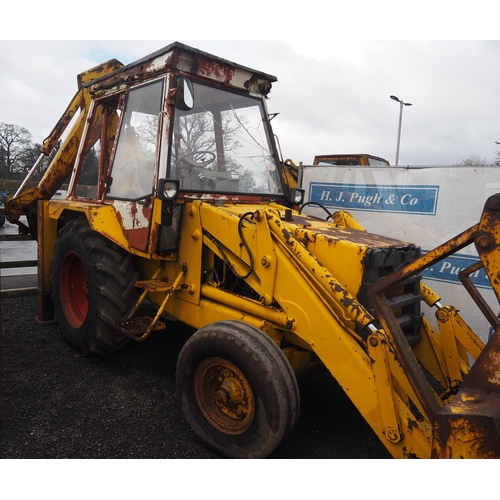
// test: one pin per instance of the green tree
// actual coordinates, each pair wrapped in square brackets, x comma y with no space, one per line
[90,166]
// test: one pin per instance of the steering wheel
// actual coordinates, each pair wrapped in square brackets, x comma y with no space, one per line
[198,164]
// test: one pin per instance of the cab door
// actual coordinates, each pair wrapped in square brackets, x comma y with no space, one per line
[132,172]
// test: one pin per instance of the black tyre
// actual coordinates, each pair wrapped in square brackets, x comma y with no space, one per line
[93,288]
[237,389]
[2,220]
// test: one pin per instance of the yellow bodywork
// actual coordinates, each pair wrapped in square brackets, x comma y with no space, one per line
[305,275]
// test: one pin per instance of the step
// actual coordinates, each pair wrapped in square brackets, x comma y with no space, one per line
[138,326]
[154,285]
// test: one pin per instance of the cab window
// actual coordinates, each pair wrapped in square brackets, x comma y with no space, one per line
[133,164]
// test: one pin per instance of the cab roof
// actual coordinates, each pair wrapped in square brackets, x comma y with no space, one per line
[189,60]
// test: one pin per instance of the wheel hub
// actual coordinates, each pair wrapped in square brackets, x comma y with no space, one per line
[224,396]
[74,290]
[231,391]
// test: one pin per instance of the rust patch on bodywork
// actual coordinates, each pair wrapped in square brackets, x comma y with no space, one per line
[469,427]
[214,70]
[134,218]
[487,241]
[308,228]
[484,374]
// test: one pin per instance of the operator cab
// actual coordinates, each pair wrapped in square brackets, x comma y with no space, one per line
[179,124]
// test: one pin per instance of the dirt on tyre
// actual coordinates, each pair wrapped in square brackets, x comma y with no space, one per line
[93,283]
[237,390]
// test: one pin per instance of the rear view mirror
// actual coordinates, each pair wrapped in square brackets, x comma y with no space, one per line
[184,95]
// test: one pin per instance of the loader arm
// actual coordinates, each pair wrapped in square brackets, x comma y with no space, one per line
[303,301]
[469,425]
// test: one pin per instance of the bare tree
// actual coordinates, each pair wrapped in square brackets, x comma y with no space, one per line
[15,144]
[496,161]
[474,161]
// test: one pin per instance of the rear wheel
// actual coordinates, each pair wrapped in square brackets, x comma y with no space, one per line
[237,389]
[93,285]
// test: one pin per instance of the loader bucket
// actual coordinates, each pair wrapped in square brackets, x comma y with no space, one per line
[469,426]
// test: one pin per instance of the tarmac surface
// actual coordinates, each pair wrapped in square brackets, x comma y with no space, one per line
[55,403]
[58,404]
[17,280]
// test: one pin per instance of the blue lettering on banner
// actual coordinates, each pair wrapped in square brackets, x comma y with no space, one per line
[416,199]
[447,271]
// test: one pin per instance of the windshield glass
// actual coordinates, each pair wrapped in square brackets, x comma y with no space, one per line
[377,163]
[222,144]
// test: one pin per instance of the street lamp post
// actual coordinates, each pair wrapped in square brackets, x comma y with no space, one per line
[401,104]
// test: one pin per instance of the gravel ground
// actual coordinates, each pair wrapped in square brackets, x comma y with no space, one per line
[57,404]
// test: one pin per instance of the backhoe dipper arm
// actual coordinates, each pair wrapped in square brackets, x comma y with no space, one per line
[62,164]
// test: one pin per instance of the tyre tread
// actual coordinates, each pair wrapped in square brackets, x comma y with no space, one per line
[110,269]
[269,371]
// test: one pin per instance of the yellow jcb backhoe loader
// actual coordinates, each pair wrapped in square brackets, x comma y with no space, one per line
[178,195]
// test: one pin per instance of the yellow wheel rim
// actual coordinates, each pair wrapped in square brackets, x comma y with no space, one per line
[224,396]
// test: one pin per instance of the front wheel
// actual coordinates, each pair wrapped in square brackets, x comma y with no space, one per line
[93,283]
[237,389]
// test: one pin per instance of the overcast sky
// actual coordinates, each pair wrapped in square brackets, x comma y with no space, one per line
[331,96]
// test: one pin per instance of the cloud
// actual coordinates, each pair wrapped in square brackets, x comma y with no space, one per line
[331,96]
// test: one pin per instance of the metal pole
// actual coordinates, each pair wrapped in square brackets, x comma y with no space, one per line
[30,174]
[401,104]
[399,131]
[300,174]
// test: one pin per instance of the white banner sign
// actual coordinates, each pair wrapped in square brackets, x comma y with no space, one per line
[422,205]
